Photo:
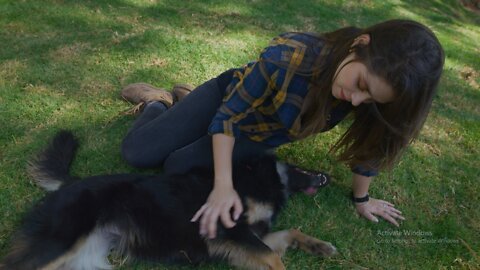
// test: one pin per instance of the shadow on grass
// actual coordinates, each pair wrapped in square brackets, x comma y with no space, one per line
[83,51]
[62,45]
[63,63]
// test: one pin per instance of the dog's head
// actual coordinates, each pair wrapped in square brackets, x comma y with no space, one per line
[268,173]
[299,180]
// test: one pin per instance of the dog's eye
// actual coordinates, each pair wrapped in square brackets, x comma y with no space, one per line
[299,170]
[304,171]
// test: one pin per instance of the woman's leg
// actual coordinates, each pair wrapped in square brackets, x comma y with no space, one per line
[151,111]
[158,133]
[200,154]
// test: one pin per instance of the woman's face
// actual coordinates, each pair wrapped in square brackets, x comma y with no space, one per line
[355,84]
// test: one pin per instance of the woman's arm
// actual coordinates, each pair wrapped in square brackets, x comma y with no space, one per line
[373,207]
[222,159]
[223,196]
[253,87]
[360,185]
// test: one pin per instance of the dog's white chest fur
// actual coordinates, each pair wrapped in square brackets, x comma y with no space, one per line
[258,211]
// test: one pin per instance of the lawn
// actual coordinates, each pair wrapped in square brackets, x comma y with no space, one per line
[63,62]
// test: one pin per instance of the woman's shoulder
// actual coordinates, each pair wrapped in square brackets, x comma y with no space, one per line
[298,39]
[283,47]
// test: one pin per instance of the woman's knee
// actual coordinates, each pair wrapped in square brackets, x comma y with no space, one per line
[197,154]
[133,154]
[128,152]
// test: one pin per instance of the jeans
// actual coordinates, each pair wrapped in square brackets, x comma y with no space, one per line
[178,138]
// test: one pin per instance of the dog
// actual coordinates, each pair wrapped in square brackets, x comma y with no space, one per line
[147,217]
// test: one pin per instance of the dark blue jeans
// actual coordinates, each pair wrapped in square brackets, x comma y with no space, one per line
[177,138]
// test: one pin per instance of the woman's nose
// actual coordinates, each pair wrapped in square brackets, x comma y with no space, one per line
[358,98]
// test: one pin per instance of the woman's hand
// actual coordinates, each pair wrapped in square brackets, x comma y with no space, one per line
[374,207]
[218,204]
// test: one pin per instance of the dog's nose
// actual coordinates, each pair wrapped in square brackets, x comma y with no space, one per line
[322,179]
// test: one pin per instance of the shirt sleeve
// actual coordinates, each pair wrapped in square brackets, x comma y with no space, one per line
[249,91]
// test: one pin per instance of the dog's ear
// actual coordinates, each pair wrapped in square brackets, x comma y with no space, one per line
[256,161]
[263,161]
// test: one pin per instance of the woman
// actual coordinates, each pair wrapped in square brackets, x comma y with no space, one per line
[302,84]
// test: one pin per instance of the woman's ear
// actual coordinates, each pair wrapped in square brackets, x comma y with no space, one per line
[363,39]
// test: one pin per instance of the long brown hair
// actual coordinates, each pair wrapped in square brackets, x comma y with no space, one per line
[404,53]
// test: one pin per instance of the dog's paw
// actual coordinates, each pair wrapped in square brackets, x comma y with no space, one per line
[320,248]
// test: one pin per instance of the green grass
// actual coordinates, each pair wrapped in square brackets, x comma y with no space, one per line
[62,64]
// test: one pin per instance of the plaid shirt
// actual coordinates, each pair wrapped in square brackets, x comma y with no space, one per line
[264,100]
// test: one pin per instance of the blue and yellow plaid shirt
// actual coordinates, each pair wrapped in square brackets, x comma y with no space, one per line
[265,98]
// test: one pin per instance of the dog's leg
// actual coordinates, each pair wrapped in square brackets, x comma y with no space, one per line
[282,240]
[89,252]
[241,248]
[245,257]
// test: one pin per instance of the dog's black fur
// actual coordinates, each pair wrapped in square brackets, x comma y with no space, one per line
[148,217]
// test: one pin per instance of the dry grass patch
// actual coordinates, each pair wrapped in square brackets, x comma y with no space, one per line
[10,71]
[69,53]
[471,76]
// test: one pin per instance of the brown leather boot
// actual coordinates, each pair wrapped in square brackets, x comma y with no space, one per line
[142,93]
[180,90]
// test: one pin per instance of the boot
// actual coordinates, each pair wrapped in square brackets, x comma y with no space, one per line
[143,93]
[180,90]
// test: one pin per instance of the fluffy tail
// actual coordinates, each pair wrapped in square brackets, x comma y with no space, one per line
[50,169]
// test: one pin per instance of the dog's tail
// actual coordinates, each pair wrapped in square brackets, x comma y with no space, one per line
[50,169]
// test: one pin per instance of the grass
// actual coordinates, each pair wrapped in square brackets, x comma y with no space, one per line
[62,64]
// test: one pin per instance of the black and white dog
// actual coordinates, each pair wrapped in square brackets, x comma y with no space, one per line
[148,217]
